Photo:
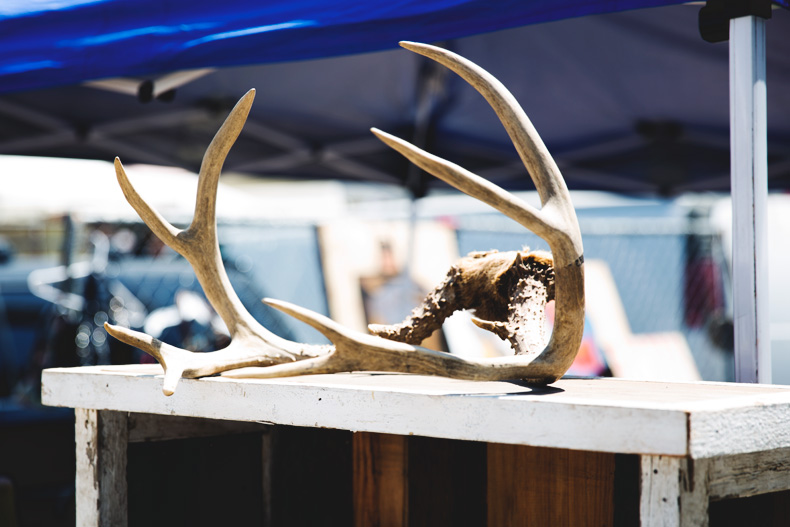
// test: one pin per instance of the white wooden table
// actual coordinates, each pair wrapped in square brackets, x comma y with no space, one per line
[697,441]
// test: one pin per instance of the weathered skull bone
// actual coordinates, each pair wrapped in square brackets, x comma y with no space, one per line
[513,287]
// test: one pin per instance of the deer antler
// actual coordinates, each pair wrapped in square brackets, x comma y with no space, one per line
[522,282]
[507,290]
[556,221]
[252,344]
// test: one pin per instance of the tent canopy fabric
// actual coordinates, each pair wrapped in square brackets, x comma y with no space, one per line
[57,42]
[629,101]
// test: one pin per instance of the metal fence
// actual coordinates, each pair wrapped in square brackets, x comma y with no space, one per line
[667,265]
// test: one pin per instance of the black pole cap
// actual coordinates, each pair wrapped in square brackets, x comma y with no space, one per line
[715,16]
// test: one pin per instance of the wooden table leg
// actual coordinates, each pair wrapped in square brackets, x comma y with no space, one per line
[101,439]
[673,493]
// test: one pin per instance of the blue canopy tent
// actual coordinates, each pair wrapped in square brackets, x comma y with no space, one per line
[57,42]
[627,98]
[630,101]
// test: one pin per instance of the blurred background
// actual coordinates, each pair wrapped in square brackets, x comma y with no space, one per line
[316,211]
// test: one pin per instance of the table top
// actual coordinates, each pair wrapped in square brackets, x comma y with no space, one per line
[701,419]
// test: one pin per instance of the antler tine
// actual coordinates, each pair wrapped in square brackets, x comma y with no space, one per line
[469,183]
[356,351]
[252,344]
[520,129]
[208,181]
[203,250]
[172,359]
[198,243]
[211,166]
[160,226]
[335,332]
[557,207]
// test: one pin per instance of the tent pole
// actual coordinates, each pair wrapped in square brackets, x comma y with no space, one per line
[748,161]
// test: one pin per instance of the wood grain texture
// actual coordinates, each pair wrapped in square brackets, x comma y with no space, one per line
[101,491]
[749,474]
[674,492]
[412,480]
[380,480]
[609,415]
[86,437]
[739,429]
[546,486]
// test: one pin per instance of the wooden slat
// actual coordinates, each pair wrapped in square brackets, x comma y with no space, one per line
[113,439]
[673,492]
[546,486]
[101,439]
[749,474]
[380,479]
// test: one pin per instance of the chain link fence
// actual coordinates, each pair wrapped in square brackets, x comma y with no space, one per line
[668,268]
